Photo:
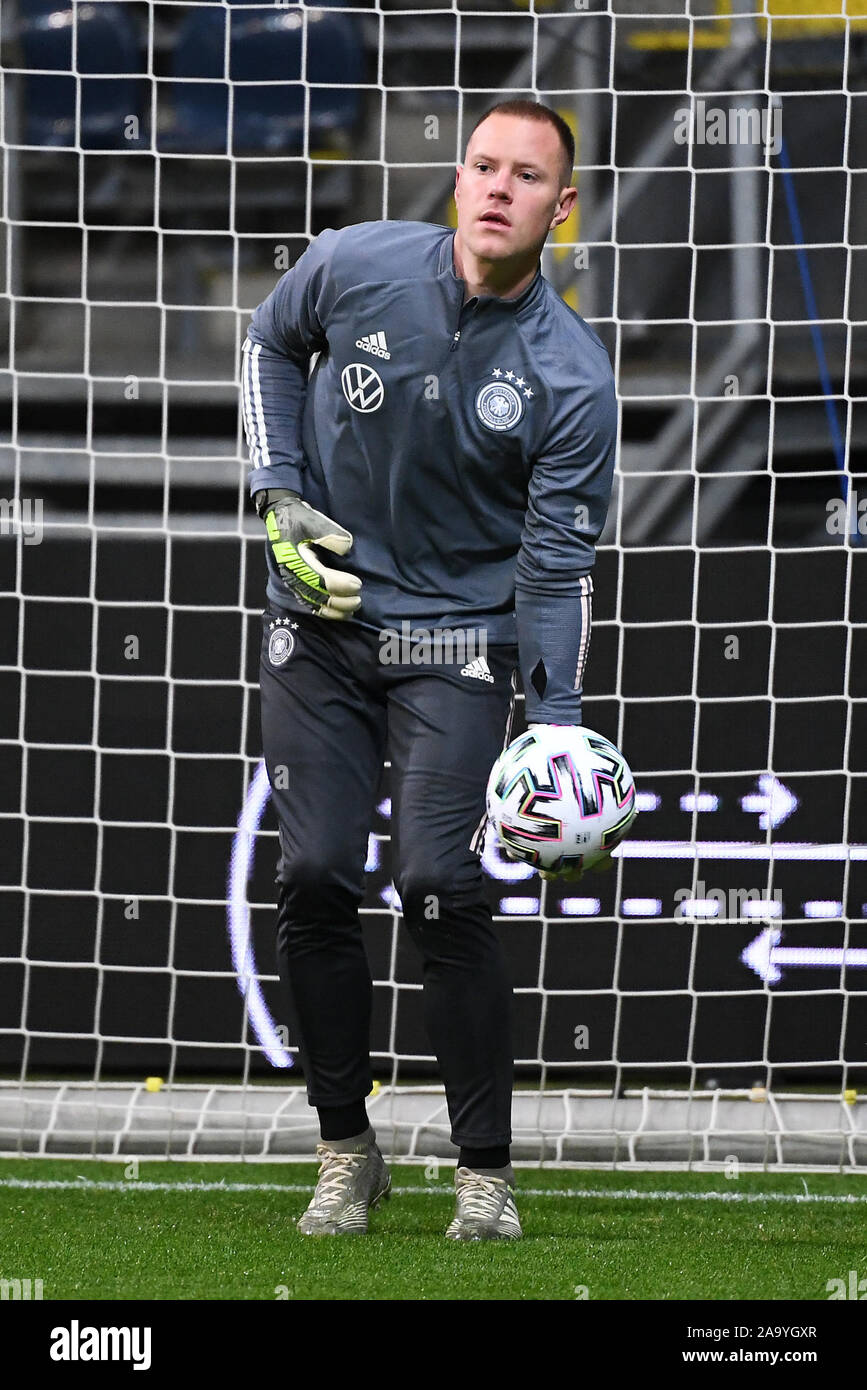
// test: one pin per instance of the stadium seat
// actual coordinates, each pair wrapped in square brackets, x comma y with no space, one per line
[106,44]
[265,47]
[200,114]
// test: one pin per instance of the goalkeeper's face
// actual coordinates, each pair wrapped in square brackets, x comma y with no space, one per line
[512,188]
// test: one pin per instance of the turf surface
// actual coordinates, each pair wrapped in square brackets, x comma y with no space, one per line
[615,1235]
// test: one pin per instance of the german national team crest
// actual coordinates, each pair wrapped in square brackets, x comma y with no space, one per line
[281,643]
[499,404]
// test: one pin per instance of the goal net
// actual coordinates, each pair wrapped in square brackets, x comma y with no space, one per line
[163,164]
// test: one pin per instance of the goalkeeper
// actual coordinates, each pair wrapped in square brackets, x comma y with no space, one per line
[446,466]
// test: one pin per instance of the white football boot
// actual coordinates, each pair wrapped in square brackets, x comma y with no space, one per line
[485,1208]
[350,1183]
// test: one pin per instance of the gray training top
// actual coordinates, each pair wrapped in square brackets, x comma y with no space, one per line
[468,446]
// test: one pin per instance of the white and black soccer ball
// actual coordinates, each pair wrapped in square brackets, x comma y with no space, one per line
[560,797]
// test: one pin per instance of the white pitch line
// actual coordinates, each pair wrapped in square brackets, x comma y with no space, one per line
[736,849]
[628,1193]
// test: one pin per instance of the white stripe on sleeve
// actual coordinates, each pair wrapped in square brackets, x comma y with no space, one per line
[249,425]
[586,621]
[260,413]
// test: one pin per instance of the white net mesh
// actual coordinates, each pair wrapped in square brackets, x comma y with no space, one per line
[163,163]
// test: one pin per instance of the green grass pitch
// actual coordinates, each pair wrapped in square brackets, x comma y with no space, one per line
[186,1231]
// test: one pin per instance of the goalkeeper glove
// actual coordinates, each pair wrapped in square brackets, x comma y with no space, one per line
[573,875]
[292,528]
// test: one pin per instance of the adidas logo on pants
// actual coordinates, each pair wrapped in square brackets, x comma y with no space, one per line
[478,669]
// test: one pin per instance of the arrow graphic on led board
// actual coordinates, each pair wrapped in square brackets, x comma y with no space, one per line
[765,955]
[773,801]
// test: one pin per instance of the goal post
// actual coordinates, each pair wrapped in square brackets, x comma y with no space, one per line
[163,164]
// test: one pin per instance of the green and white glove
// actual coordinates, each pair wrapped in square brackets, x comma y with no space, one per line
[575,875]
[293,527]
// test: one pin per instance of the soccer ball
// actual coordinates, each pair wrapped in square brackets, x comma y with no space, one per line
[560,797]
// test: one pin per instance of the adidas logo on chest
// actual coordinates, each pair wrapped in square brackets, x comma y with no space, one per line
[375,344]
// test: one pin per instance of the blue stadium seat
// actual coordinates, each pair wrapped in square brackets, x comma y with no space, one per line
[200,116]
[106,44]
[265,47]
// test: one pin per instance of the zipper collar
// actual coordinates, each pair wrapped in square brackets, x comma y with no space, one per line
[519,306]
